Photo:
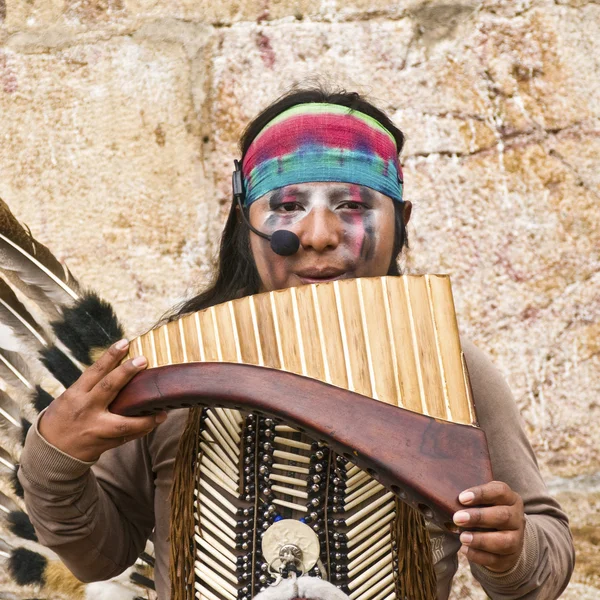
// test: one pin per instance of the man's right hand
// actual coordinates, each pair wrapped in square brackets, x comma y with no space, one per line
[79,423]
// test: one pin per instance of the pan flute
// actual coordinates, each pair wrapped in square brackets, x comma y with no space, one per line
[323,402]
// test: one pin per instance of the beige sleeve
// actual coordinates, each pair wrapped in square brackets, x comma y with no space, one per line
[96,517]
[546,562]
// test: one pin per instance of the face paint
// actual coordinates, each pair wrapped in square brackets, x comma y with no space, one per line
[345,231]
[368,245]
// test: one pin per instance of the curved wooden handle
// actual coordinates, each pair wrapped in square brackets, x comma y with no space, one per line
[425,461]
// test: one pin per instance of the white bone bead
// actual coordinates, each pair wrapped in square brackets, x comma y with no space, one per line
[364,488]
[352,471]
[290,505]
[285,429]
[212,579]
[356,581]
[363,512]
[384,520]
[370,540]
[218,426]
[291,456]
[217,554]
[215,543]
[291,468]
[209,469]
[363,497]
[376,583]
[232,430]
[205,593]
[385,593]
[204,499]
[290,491]
[217,448]
[206,448]
[356,480]
[291,443]
[232,508]
[290,480]
[206,513]
[370,549]
[207,560]
[205,524]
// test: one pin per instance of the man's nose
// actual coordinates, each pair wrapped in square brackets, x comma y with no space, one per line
[320,230]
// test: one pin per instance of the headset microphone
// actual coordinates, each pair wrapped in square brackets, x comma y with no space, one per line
[283,242]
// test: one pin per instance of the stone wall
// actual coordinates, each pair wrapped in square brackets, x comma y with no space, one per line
[119,122]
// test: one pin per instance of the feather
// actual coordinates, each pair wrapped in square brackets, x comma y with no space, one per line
[142,580]
[88,327]
[15,484]
[60,365]
[27,567]
[32,268]
[18,523]
[10,412]
[14,370]
[109,590]
[41,399]
[14,315]
[7,462]
[25,426]
[20,334]
[147,558]
[7,505]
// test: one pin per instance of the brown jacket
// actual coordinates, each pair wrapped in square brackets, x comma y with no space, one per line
[97,517]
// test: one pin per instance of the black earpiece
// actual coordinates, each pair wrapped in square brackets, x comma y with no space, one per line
[283,242]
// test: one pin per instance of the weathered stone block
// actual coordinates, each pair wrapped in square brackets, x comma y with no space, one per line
[120,120]
[100,158]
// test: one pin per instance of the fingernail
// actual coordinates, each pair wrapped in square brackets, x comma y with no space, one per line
[160,418]
[139,361]
[122,344]
[466,537]
[466,497]
[464,549]
[461,517]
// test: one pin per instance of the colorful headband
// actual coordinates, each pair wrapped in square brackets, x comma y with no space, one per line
[322,142]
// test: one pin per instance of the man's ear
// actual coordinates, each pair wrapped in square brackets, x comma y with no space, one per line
[406,211]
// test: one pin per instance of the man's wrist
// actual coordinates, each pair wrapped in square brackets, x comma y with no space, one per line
[48,467]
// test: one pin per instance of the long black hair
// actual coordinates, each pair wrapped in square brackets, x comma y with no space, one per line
[236,274]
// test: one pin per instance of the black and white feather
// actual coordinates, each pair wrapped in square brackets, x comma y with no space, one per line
[50,329]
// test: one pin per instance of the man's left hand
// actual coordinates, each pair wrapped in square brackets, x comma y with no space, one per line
[496,507]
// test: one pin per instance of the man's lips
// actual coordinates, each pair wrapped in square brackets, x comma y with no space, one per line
[316,275]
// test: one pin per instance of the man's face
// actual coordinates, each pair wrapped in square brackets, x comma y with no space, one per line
[345,231]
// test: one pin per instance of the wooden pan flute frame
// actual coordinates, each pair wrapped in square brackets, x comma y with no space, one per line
[425,461]
[371,366]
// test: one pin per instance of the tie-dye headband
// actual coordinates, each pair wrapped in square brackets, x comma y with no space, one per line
[322,142]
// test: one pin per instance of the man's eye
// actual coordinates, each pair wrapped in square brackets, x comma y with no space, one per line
[353,205]
[288,206]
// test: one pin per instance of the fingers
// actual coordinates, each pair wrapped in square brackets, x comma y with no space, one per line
[504,508]
[492,517]
[104,365]
[113,382]
[502,543]
[120,430]
[111,431]
[493,493]
[494,562]
[492,506]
